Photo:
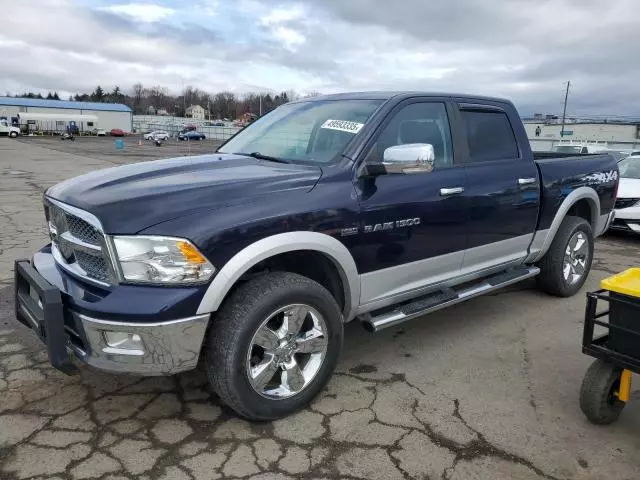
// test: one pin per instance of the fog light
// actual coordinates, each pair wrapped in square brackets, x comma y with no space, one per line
[123,340]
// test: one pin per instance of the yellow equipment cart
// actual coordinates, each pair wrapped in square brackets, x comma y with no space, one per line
[607,384]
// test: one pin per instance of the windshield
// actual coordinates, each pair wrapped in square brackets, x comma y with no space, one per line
[306,132]
[630,167]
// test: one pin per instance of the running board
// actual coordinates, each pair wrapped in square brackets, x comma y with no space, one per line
[389,317]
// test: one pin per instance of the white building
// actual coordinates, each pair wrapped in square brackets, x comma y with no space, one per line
[196,112]
[618,136]
[107,115]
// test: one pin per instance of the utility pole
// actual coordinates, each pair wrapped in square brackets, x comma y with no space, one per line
[184,99]
[260,95]
[564,111]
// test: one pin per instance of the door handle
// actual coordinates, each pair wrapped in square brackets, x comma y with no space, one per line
[526,181]
[445,192]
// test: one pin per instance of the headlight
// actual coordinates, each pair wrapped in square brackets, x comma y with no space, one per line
[161,260]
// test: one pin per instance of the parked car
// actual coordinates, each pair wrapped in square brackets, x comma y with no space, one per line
[191,135]
[9,130]
[619,155]
[628,202]
[580,148]
[116,132]
[254,257]
[157,134]
[100,132]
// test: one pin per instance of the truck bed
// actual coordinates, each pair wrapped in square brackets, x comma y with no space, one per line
[561,155]
[560,174]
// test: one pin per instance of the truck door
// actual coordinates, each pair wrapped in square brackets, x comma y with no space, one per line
[503,189]
[412,231]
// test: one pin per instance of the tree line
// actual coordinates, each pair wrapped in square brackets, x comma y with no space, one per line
[158,100]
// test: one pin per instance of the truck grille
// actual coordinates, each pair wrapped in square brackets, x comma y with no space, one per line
[626,202]
[78,246]
[95,267]
[82,230]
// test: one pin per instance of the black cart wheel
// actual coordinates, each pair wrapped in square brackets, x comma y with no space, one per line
[566,265]
[598,395]
[273,345]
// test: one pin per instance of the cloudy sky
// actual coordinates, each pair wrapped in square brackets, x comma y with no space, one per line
[521,49]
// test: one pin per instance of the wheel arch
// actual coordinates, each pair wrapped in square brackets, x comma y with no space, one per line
[279,244]
[582,202]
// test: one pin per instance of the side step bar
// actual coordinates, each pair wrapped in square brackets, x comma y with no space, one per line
[389,317]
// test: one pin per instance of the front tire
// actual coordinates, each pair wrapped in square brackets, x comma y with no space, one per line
[273,345]
[566,265]
[13,134]
[598,400]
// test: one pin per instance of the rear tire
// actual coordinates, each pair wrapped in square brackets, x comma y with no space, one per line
[570,254]
[597,399]
[234,354]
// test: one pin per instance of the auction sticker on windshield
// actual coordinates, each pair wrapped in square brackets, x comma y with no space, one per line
[343,126]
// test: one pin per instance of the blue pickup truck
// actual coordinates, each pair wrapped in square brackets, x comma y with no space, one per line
[375,207]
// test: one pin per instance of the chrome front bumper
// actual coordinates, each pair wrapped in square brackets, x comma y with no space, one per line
[160,348]
[164,348]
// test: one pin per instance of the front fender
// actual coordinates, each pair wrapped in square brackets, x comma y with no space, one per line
[283,243]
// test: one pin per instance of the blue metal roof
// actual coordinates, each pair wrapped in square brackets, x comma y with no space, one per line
[42,103]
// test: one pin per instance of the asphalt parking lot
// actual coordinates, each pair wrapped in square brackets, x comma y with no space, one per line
[485,390]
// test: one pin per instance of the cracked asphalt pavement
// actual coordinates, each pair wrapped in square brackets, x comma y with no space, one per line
[484,390]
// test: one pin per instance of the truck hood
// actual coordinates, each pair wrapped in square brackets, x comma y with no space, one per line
[133,197]
[629,188]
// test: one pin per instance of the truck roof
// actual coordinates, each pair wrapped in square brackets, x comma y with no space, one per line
[387,95]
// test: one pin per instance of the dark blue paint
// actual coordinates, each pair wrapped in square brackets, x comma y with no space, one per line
[561,176]
[499,208]
[388,198]
[132,197]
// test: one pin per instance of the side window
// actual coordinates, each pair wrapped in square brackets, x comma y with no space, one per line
[490,136]
[417,123]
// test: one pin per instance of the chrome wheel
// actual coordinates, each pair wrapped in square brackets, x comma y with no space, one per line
[287,351]
[575,258]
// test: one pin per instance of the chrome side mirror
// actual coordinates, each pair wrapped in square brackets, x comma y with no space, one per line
[409,158]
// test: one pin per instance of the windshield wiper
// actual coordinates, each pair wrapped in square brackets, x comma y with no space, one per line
[260,156]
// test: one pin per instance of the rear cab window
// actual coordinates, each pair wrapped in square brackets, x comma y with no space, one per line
[490,135]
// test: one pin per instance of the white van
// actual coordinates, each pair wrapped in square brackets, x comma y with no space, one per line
[6,129]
